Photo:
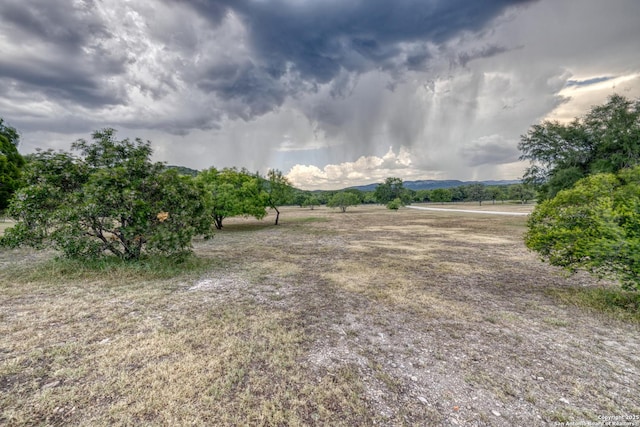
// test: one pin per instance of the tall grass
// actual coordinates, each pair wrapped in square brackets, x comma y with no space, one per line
[62,270]
[611,301]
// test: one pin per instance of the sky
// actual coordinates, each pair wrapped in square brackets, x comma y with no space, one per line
[334,93]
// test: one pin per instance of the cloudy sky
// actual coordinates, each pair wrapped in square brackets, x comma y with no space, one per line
[332,92]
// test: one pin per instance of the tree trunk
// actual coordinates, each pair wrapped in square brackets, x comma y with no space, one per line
[277,214]
[217,221]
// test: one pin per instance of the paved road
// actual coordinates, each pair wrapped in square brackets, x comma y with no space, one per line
[469,211]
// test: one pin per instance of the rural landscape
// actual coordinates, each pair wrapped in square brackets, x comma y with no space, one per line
[319,213]
[371,317]
[136,293]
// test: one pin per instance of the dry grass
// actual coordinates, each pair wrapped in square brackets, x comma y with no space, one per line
[367,317]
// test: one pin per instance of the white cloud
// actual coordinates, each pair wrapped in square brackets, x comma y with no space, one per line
[364,170]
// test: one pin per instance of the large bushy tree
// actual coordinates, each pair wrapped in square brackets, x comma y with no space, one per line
[11,163]
[607,139]
[343,200]
[109,199]
[441,195]
[594,225]
[390,190]
[231,192]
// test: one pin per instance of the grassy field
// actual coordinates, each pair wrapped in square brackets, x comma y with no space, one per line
[362,318]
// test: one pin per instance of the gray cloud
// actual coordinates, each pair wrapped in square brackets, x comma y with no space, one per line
[60,49]
[60,22]
[448,85]
[491,150]
[319,41]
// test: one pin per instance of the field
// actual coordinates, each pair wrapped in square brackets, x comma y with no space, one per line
[369,317]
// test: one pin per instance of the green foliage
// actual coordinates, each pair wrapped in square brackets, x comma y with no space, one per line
[230,192]
[183,170]
[619,304]
[395,204]
[311,201]
[112,199]
[421,196]
[343,200]
[299,197]
[521,192]
[496,193]
[594,225]
[477,192]
[11,164]
[391,189]
[358,193]
[459,194]
[278,191]
[607,139]
[441,195]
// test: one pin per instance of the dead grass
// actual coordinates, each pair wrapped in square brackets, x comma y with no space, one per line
[368,317]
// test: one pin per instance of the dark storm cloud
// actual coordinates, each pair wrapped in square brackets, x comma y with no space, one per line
[251,85]
[588,81]
[59,51]
[70,51]
[317,41]
[61,22]
[490,150]
[62,80]
[465,57]
[320,38]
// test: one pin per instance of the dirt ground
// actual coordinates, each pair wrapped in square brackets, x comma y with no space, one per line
[369,317]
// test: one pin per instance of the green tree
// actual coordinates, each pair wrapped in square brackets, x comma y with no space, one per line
[111,199]
[369,197]
[299,197]
[476,192]
[391,189]
[49,177]
[358,193]
[278,191]
[311,202]
[607,139]
[343,200]
[521,192]
[422,196]
[458,194]
[230,192]
[495,192]
[11,164]
[441,195]
[594,225]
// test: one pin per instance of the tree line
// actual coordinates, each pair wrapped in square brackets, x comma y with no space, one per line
[478,192]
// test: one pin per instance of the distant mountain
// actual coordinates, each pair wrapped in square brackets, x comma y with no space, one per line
[432,184]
